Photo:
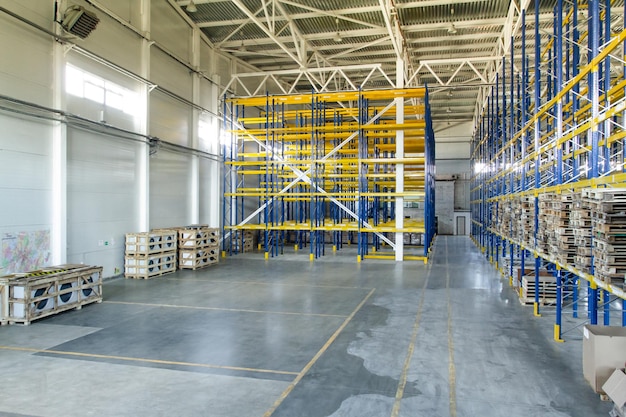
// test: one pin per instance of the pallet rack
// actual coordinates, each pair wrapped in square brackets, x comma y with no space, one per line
[329,168]
[547,133]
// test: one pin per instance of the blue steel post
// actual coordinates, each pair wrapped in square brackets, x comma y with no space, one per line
[537,158]
[594,32]
[559,296]
[606,301]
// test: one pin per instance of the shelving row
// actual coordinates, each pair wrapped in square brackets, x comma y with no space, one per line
[550,134]
[344,163]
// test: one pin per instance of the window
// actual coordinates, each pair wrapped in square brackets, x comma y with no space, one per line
[85,85]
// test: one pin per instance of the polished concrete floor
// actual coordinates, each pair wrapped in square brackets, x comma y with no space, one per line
[289,337]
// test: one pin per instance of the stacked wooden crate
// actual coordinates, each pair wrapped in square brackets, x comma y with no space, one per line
[516,225]
[564,233]
[37,294]
[243,240]
[150,254]
[545,232]
[504,214]
[527,221]
[198,246]
[608,207]
[581,225]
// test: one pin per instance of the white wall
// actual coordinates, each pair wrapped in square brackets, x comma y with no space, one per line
[89,188]
[452,147]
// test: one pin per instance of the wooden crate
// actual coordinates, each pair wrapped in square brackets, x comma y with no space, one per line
[149,243]
[38,294]
[195,238]
[150,266]
[196,259]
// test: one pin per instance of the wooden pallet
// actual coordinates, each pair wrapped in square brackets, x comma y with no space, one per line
[147,274]
[150,243]
[28,297]
[609,247]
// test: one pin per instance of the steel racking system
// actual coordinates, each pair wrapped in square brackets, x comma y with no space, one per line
[549,132]
[329,168]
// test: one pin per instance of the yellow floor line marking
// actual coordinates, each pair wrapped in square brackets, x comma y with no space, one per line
[287,284]
[237,310]
[395,411]
[451,367]
[146,360]
[323,349]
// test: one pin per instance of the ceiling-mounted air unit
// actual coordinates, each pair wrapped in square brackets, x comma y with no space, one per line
[79,21]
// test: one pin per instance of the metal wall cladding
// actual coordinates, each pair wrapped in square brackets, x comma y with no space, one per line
[170,119]
[25,174]
[102,199]
[169,189]
[169,30]
[170,74]
[210,188]
[105,41]
[27,76]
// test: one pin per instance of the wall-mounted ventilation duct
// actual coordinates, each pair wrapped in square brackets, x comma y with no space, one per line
[79,21]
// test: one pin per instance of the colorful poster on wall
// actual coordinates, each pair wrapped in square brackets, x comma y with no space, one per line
[25,251]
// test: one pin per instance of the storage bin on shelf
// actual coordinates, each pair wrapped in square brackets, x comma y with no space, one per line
[37,294]
[150,254]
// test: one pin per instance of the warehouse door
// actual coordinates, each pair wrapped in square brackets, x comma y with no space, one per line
[460,225]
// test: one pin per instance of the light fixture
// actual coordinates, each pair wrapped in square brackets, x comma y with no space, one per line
[191,8]
[452,29]
[242,48]
[449,94]
[448,110]
[337,37]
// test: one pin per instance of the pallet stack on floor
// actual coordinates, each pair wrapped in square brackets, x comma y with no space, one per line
[150,254]
[198,247]
[581,224]
[37,294]
[608,207]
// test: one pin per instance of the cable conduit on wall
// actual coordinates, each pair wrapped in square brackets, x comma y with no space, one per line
[72,120]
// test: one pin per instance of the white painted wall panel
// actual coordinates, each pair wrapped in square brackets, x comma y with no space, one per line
[210,194]
[170,30]
[457,166]
[169,189]
[169,118]
[112,42]
[456,150]
[26,66]
[128,10]
[207,59]
[25,175]
[102,203]
[170,74]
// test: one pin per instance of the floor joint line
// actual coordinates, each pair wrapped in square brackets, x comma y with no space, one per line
[146,360]
[395,411]
[315,358]
[236,310]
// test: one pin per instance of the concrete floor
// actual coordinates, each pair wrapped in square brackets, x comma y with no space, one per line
[288,337]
